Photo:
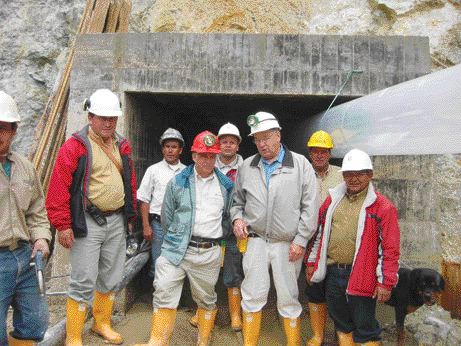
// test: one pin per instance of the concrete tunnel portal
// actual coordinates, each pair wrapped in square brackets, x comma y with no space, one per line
[149,114]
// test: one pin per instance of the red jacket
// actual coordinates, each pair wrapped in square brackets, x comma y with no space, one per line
[66,199]
[377,251]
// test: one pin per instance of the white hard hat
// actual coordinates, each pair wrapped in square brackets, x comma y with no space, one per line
[356,160]
[171,134]
[8,109]
[262,121]
[104,103]
[229,129]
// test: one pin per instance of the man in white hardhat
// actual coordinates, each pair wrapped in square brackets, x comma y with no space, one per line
[275,208]
[356,251]
[152,190]
[24,230]
[328,176]
[91,202]
[228,162]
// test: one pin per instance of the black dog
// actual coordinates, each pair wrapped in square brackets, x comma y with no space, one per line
[415,288]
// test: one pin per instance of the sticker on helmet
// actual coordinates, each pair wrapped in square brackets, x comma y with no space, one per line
[209,140]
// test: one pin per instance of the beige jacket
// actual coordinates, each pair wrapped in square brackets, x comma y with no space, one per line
[22,205]
[287,211]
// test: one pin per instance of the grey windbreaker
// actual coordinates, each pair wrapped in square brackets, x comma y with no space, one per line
[287,211]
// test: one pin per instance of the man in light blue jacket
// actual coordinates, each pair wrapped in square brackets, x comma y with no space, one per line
[195,217]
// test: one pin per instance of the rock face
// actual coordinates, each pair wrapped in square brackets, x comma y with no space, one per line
[34,37]
[37,33]
[438,19]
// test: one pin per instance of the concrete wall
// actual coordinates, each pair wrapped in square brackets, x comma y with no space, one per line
[241,64]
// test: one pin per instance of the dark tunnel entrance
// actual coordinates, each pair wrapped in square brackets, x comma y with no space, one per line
[148,115]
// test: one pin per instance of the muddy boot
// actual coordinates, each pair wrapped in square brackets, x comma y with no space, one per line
[318,317]
[102,313]
[12,341]
[251,328]
[194,320]
[345,339]
[292,329]
[235,312]
[75,320]
[205,325]
[162,327]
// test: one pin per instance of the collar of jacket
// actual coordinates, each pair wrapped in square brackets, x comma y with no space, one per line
[183,178]
[287,159]
[339,191]
[82,136]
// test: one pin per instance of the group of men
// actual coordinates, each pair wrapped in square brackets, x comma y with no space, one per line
[264,212]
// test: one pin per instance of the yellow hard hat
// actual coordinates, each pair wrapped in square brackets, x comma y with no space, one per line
[320,139]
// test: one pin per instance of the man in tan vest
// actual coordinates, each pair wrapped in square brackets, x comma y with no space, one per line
[91,201]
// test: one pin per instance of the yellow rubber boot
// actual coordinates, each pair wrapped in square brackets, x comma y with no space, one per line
[76,314]
[251,328]
[345,339]
[12,341]
[292,328]
[102,313]
[318,316]
[235,312]
[194,320]
[205,325]
[162,327]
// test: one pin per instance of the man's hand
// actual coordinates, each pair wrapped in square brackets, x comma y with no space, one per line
[296,252]
[147,232]
[240,229]
[41,245]
[382,294]
[309,273]
[66,238]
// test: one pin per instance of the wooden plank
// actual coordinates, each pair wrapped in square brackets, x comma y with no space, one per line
[99,16]
[124,18]
[112,16]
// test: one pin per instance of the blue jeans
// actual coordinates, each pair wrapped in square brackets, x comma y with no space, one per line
[19,288]
[354,314]
[232,270]
[156,245]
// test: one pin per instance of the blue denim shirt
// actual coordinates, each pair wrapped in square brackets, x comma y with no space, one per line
[270,168]
[178,212]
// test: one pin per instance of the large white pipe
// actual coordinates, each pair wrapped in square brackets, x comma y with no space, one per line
[418,117]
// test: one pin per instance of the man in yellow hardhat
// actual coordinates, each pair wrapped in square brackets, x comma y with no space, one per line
[328,176]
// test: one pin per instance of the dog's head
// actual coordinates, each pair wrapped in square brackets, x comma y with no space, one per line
[428,283]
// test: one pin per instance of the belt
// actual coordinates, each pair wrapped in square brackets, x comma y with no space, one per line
[253,235]
[112,212]
[13,246]
[340,266]
[203,243]
[155,217]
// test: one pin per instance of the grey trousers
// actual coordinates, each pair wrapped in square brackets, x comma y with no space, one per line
[202,269]
[98,259]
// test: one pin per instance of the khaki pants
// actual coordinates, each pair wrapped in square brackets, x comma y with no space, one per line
[98,259]
[202,269]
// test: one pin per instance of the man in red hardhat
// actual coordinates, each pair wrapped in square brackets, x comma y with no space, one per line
[195,217]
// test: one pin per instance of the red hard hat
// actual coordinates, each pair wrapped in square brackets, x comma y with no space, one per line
[206,142]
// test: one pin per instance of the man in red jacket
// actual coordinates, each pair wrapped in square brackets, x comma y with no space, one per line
[91,201]
[356,251]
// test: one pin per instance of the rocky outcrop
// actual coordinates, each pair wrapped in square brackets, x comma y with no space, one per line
[34,37]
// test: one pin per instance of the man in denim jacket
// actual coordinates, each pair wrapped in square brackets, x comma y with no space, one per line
[195,217]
